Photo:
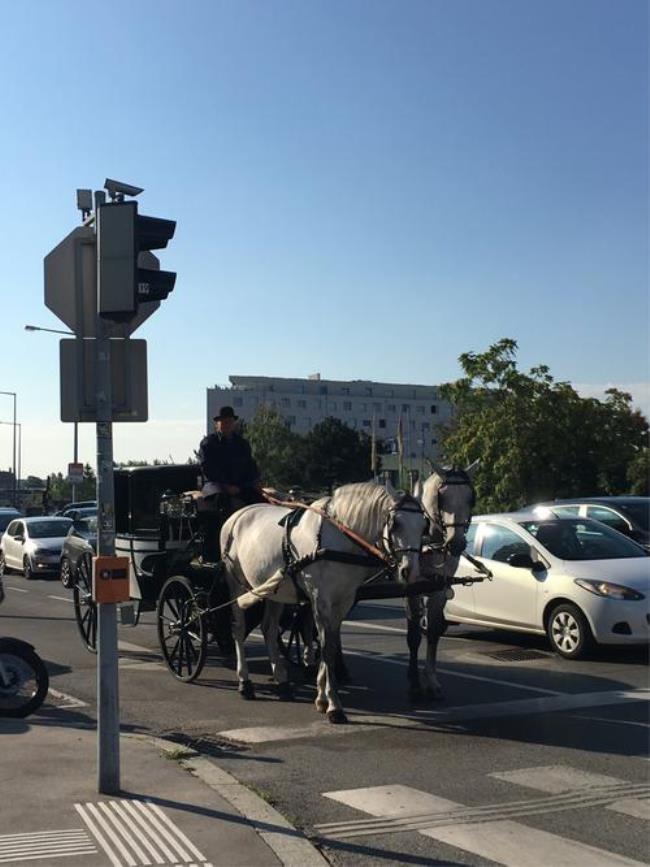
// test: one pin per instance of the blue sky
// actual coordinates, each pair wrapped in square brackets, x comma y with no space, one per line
[362,188]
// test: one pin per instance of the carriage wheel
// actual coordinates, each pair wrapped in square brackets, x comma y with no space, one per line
[85,610]
[181,629]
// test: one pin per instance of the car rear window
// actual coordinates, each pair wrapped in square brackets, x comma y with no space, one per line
[49,529]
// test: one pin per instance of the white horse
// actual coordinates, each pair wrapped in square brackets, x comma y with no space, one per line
[257,556]
[447,497]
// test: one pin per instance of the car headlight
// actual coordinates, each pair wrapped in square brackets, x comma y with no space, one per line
[609,590]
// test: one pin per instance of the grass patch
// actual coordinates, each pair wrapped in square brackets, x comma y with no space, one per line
[178,754]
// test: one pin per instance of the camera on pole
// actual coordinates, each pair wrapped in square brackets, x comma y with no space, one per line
[124,238]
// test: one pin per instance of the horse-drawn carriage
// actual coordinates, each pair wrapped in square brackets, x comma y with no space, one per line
[159,528]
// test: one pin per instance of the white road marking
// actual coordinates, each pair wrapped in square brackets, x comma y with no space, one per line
[374,626]
[459,714]
[606,719]
[559,779]
[62,599]
[505,842]
[135,648]
[45,845]
[16,589]
[135,833]
[453,673]
[70,700]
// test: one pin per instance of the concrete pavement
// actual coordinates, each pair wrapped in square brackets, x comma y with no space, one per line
[174,808]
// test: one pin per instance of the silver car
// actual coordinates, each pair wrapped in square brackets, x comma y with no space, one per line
[573,579]
[33,545]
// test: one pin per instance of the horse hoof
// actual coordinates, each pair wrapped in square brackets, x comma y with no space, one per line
[285,691]
[247,690]
[321,706]
[337,717]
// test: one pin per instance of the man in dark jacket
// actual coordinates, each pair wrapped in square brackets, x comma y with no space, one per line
[231,476]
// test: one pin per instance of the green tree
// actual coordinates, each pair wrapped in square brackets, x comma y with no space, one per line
[276,448]
[638,473]
[536,438]
[335,454]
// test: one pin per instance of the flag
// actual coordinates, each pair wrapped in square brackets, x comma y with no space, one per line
[400,446]
[373,449]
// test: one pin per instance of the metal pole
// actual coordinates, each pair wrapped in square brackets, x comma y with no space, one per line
[15,480]
[108,720]
[75,451]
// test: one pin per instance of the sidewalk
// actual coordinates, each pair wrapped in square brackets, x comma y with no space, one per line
[175,808]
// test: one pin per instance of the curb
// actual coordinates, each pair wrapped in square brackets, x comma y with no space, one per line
[290,845]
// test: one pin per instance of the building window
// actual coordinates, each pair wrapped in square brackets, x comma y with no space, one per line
[363,407]
[291,419]
[322,389]
[302,404]
[434,409]
[347,405]
[382,422]
[369,392]
[425,425]
[376,407]
[366,422]
[420,410]
[285,401]
[391,407]
[345,390]
[238,401]
[332,406]
[405,407]
[434,442]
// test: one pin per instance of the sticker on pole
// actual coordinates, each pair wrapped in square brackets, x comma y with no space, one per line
[110,579]
[75,473]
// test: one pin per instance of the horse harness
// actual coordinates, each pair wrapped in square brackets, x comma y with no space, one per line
[438,527]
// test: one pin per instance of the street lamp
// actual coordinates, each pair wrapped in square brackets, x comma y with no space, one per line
[76,428]
[13,394]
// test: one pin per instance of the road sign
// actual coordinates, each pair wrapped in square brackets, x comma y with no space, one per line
[75,473]
[128,380]
[71,285]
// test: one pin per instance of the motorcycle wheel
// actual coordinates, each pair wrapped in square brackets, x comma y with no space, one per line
[24,682]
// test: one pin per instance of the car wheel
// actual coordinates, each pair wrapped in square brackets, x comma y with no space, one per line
[27,569]
[66,573]
[3,565]
[568,631]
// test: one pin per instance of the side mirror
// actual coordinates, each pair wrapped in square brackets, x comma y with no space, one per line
[520,561]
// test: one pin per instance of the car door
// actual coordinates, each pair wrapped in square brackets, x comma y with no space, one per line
[14,546]
[511,597]
[462,604]
[609,517]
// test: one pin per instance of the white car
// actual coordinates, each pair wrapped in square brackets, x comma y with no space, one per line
[33,545]
[573,579]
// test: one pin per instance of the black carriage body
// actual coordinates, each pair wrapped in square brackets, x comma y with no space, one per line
[155,543]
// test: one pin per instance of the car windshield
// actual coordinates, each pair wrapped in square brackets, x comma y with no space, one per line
[6,518]
[48,529]
[639,512]
[580,539]
[87,526]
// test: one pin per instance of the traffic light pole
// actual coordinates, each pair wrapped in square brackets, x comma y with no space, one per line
[108,720]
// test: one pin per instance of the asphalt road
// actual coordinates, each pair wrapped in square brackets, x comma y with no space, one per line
[535,760]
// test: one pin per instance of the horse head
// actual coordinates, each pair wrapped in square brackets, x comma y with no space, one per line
[447,497]
[402,535]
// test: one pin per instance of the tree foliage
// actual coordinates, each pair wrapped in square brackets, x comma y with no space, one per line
[537,438]
[277,450]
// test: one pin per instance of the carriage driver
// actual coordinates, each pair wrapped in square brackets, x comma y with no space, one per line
[231,476]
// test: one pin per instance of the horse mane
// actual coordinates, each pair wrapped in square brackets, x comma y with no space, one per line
[362,506]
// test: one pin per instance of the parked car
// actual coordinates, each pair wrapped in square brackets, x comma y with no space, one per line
[79,548]
[571,578]
[82,504]
[33,545]
[628,515]
[7,515]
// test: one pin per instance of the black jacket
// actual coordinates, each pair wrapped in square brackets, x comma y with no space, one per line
[228,461]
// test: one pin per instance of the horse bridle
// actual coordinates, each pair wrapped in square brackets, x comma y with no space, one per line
[414,507]
[455,477]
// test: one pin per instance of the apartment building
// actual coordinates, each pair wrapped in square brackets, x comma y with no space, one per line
[305,402]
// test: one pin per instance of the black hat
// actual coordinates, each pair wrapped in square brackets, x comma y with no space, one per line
[226,412]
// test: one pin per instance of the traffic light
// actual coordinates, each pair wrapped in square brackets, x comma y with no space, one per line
[123,236]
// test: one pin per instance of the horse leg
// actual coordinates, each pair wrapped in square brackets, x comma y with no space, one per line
[414,610]
[328,624]
[306,628]
[271,630]
[435,630]
[245,688]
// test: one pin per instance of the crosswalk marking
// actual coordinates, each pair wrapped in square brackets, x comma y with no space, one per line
[489,831]
[563,778]
[42,845]
[133,833]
